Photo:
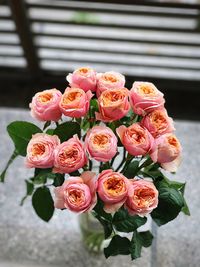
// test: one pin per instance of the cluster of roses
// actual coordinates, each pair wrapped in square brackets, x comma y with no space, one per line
[153,136]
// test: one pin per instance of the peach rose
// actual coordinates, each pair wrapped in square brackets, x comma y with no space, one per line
[45,105]
[101,143]
[136,139]
[142,197]
[112,189]
[109,80]
[113,105]
[84,78]
[69,156]
[75,102]
[158,122]
[145,97]
[168,152]
[40,151]
[77,194]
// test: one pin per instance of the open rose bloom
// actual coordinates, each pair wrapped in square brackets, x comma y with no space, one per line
[106,150]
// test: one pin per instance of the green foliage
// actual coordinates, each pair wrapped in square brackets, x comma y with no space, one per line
[66,130]
[118,246]
[21,132]
[10,161]
[139,240]
[132,169]
[43,203]
[123,222]
[29,191]
[170,202]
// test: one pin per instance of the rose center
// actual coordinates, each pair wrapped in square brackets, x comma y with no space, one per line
[110,78]
[144,197]
[76,196]
[159,120]
[71,96]
[68,156]
[38,150]
[136,136]
[114,186]
[83,70]
[146,90]
[100,140]
[173,141]
[112,97]
[44,98]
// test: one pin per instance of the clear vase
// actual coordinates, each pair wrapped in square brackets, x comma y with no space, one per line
[92,232]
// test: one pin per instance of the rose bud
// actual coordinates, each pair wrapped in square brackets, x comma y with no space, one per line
[113,105]
[84,78]
[168,152]
[40,151]
[112,189]
[69,156]
[145,98]
[142,197]
[75,102]
[136,139]
[45,105]
[109,80]
[77,194]
[158,122]
[101,143]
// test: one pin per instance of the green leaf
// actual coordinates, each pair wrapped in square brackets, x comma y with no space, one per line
[100,211]
[50,131]
[46,125]
[21,132]
[43,203]
[123,222]
[66,130]
[170,203]
[59,179]
[118,246]
[29,191]
[132,169]
[10,161]
[185,209]
[139,240]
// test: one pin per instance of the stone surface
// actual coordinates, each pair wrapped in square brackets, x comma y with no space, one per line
[26,238]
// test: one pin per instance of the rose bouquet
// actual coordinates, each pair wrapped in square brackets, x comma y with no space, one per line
[103,148]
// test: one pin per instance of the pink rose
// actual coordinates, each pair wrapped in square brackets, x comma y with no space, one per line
[77,194]
[145,98]
[109,80]
[168,152]
[75,102]
[84,78]
[112,189]
[158,122]
[142,197]
[101,143]
[45,105]
[40,151]
[136,139]
[113,105]
[69,156]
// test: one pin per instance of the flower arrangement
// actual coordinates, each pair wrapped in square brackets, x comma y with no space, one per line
[127,134]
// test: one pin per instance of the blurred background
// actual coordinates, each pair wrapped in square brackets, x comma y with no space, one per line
[157,41]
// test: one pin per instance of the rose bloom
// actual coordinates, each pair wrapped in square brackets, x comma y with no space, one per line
[142,197]
[40,151]
[45,105]
[101,143]
[109,80]
[168,152]
[84,78]
[69,156]
[77,194]
[75,102]
[158,122]
[112,189]
[113,105]
[136,139]
[145,98]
